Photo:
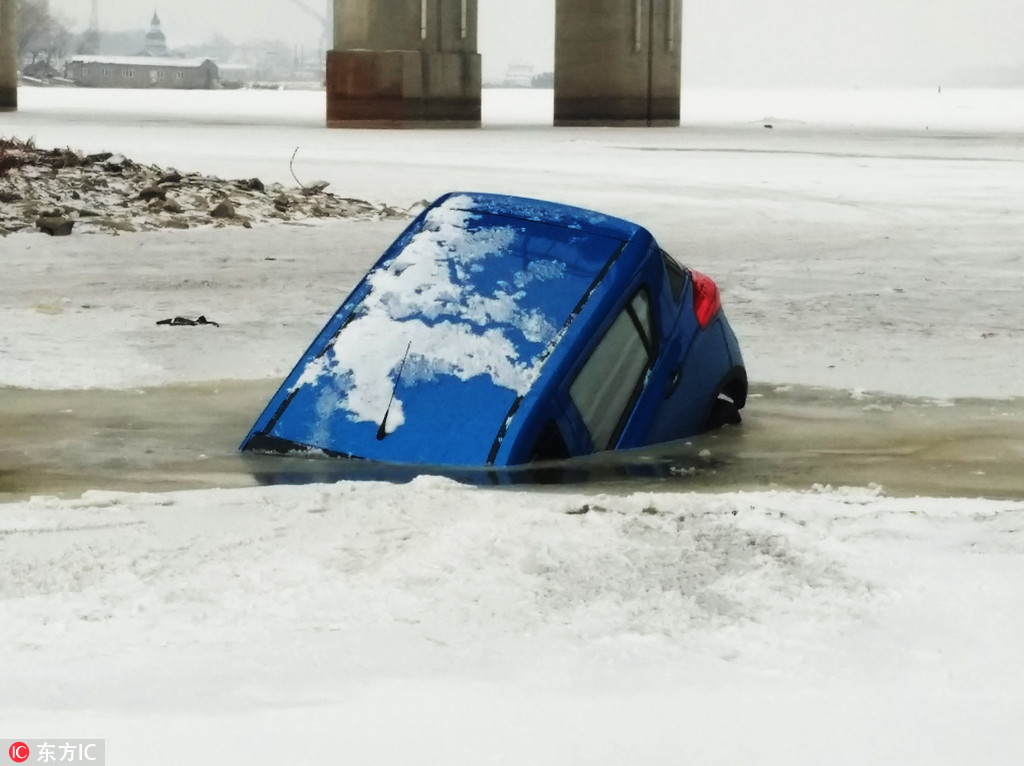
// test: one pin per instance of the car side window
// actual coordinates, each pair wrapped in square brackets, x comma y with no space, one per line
[676,276]
[609,383]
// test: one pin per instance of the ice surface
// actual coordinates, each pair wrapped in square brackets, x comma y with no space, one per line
[849,255]
[867,242]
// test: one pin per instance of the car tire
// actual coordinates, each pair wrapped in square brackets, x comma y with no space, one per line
[723,412]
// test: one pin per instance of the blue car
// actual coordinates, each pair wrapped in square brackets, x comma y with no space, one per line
[499,331]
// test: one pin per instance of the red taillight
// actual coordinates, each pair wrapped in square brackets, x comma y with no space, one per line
[706,301]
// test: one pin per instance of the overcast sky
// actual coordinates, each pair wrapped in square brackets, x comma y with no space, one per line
[726,42]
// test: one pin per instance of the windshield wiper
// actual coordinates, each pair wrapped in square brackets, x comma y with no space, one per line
[382,429]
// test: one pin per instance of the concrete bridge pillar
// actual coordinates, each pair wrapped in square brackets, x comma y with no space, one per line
[404,63]
[8,55]
[617,62]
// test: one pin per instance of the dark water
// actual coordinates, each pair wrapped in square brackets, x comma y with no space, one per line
[185,437]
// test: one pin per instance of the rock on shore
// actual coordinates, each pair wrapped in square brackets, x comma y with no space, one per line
[58,191]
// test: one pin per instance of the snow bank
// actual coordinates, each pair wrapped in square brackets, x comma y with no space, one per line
[515,627]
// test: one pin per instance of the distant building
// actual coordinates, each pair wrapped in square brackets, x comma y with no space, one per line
[142,72]
[518,75]
[152,68]
[543,80]
[156,41]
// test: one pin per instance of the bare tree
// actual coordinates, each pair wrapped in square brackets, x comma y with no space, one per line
[42,36]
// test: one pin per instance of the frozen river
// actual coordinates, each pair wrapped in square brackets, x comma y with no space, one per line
[827,583]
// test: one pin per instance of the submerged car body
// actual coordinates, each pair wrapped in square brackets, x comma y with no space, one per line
[497,331]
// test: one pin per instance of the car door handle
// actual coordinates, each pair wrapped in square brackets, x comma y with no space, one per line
[673,380]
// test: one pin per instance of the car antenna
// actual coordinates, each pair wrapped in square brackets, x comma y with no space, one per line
[382,430]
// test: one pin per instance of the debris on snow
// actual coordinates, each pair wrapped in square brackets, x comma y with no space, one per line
[55,190]
[186,322]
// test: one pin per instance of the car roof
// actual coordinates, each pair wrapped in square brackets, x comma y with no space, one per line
[430,356]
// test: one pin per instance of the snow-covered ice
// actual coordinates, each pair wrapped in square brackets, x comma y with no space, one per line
[866,242]
[849,256]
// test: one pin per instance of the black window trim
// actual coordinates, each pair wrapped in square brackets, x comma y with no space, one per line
[674,266]
[650,343]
